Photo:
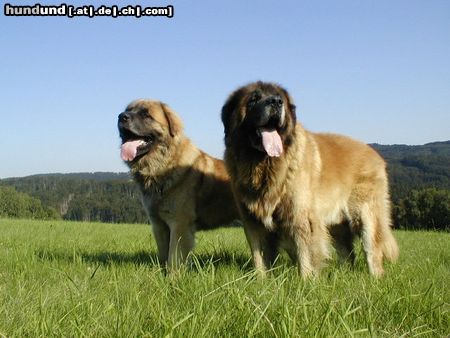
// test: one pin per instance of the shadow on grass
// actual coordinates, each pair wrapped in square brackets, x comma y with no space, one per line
[221,259]
[102,257]
[197,261]
[121,258]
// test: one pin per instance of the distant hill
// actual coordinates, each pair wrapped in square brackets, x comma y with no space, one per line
[416,167]
[99,196]
[94,176]
[113,197]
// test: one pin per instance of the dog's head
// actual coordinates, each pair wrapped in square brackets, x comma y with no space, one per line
[261,117]
[144,125]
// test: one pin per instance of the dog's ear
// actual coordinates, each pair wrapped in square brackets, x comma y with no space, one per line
[228,110]
[291,105]
[173,121]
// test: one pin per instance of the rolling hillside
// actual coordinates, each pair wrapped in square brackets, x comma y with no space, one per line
[113,197]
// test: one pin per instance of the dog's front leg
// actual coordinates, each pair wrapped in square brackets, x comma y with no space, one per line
[161,232]
[312,244]
[182,241]
[263,245]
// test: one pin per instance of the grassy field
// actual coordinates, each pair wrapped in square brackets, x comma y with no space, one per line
[84,279]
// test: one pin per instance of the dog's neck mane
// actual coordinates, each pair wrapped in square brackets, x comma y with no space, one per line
[263,173]
[153,171]
[261,183]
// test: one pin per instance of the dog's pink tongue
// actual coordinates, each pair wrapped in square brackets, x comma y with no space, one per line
[128,150]
[272,143]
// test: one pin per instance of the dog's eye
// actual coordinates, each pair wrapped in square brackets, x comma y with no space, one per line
[143,113]
[254,98]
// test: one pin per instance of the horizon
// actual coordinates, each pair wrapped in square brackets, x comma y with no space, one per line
[378,72]
[128,172]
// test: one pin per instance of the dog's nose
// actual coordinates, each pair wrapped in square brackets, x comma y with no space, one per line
[275,101]
[124,117]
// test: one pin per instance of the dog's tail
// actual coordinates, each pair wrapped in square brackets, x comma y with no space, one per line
[389,244]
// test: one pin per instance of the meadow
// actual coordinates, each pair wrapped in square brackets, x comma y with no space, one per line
[61,279]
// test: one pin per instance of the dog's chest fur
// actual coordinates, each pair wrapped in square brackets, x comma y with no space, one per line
[264,190]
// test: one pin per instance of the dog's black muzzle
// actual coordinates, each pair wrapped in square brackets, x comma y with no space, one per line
[128,127]
[268,112]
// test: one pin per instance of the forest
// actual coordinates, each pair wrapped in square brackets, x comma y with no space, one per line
[419,183]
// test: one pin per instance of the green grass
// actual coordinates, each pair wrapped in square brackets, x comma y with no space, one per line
[83,279]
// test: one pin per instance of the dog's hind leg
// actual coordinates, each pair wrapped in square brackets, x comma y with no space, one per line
[270,248]
[343,237]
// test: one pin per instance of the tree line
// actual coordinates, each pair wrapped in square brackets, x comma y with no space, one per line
[419,183]
[97,197]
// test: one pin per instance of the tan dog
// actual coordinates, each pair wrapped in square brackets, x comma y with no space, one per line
[183,189]
[293,187]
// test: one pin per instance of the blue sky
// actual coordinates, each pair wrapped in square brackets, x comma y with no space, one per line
[378,71]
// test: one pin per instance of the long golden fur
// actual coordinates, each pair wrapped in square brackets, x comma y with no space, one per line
[183,188]
[294,188]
